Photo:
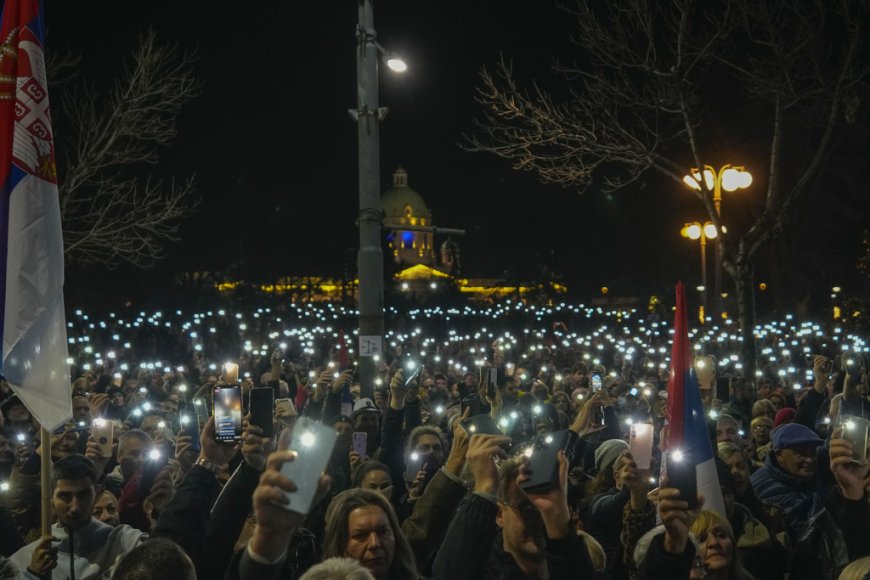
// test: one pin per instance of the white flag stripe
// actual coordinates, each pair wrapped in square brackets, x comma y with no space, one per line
[34,332]
[708,486]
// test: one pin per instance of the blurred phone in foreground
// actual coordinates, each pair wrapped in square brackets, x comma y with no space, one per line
[543,465]
[228,414]
[103,431]
[313,443]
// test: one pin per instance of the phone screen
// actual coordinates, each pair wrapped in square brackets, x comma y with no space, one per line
[228,413]
[262,409]
[313,443]
[596,383]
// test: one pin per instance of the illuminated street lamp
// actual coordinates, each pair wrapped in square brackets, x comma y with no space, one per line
[370,261]
[702,232]
[729,178]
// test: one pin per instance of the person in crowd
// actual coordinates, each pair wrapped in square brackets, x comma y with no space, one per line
[17,417]
[374,476]
[789,477]
[106,508]
[760,433]
[133,447]
[728,430]
[157,558]
[338,569]
[763,408]
[530,535]
[87,548]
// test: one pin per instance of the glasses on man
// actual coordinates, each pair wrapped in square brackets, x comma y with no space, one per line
[761,427]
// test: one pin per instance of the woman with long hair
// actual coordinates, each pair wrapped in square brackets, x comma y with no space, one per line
[361,524]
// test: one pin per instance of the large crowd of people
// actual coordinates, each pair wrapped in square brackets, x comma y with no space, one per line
[439,469]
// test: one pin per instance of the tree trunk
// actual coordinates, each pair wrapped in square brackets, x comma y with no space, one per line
[744,282]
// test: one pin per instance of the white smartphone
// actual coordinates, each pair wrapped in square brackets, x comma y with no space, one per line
[313,443]
[103,431]
[640,442]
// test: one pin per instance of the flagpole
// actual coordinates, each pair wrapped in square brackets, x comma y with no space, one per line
[45,475]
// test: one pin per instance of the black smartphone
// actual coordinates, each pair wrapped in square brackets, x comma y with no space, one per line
[543,465]
[722,389]
[414,466]
[262,406]
[154,462]
[472,401]
[682,476]
[492,383]
[190,427]
[228,414]
[480,425]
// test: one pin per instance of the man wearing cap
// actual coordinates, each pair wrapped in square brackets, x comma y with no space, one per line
[789,476]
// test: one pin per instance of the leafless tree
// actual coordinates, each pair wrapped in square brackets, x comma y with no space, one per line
[112,211]
[641,97]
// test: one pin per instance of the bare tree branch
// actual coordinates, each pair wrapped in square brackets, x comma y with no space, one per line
[111,215]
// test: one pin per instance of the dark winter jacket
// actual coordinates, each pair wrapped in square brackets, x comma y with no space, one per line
[799,500]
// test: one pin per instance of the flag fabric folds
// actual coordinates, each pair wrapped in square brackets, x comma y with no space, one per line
[31,243]
[687,424]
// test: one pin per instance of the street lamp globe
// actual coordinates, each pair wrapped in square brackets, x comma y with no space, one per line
[691,182]
[745,179]
[710,231]
[693,231]
[396,64]
[731,179]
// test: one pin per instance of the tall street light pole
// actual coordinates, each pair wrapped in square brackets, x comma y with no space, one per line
[729,178]
[370,260]
[697,231]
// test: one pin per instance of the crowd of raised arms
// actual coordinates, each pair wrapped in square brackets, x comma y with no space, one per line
[507,441]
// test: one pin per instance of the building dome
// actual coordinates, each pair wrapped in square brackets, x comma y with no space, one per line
[401,201]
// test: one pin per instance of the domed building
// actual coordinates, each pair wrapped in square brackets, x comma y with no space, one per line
[402,207]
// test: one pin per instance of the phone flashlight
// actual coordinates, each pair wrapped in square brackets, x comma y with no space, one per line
[143,390]
[4,486]
[307,439]
[182,388]
[161,424]
[154,455]
[22,437]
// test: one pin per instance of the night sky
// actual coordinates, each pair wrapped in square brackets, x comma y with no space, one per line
[274,149]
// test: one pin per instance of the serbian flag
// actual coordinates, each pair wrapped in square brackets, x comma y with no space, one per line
[687,425]
[31,243]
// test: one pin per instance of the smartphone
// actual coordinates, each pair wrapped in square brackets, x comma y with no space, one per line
[472,401]
[154,462]
[856,431]
[228,414]
[722,389]
[200,409]
[492,384]
[640,442]
[633,392]
[414,466]
[596,382]
[413,376]
[285,408]
[359,441]
[313,443]
[103,431]
[261,404]
[480,425]
[190,427]
[543,465]
[680,468]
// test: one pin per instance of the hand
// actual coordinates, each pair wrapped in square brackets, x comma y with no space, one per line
[821,368]
[636,480]
[255,447]
[416,488]
[275,525]
[161,490]
[583,424]
[397,391]
[217,453]
[354,459]
[481,450]
[850,476]
[276,358]
[98,402]
[456,460]
[44,557]
[552,505]
[677,519]
[345,378]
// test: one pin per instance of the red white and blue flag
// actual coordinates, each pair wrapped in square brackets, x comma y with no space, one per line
[687,424]
[31,243]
